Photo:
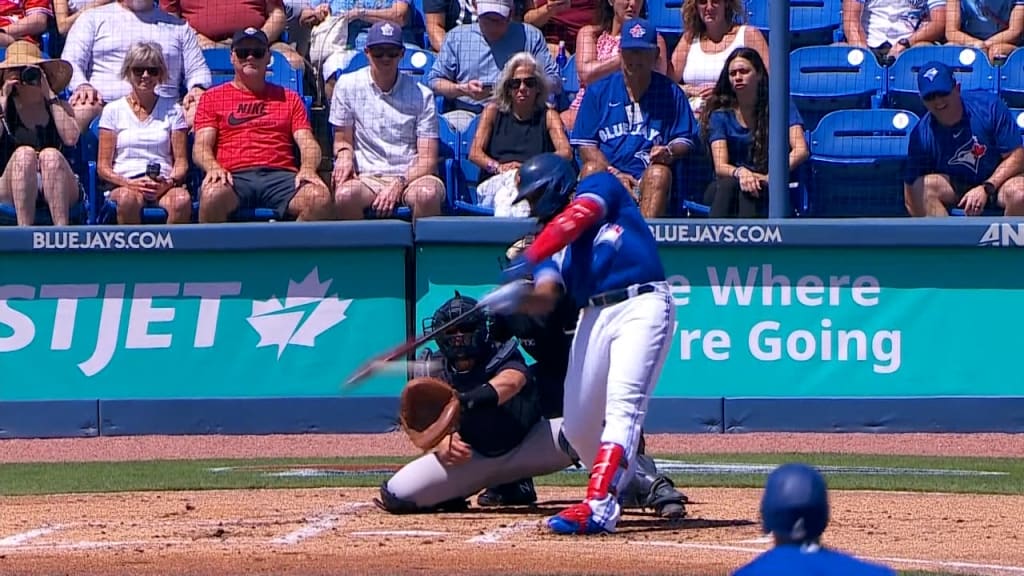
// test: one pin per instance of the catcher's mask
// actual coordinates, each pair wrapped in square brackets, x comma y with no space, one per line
[462,343]
[547,182]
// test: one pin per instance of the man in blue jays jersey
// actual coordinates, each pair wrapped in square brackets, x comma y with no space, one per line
[636,123]
[965,152]
[598,250]
[795,511]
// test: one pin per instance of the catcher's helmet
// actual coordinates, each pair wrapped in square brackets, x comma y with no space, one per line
[547,182]
[466,339]
[794,506]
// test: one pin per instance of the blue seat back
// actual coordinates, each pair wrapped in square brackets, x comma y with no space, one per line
[278,72]
[970,66]
[414,63]
[823,79]
[570,84]
[857,162]
[470,171]
[811,22]
[1011,79]
[666,15]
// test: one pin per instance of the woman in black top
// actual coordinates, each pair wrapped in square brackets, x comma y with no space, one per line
[35,126]
[515,127]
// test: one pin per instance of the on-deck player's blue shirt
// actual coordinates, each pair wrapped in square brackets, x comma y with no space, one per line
[625,131]
[616,252]
[969,151]
[794,560]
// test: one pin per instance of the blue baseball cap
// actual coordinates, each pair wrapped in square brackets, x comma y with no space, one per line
[250,33]
[638,34]
[384,34]
[935,78]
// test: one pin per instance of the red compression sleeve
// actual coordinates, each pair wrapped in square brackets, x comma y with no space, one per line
[581,214]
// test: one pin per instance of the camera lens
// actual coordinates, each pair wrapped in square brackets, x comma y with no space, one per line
[31,75]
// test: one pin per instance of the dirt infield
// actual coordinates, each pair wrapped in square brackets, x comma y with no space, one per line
[339,531]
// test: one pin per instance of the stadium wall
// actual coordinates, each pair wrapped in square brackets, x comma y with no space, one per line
[885,325]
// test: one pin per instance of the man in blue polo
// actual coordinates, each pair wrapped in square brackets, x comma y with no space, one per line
[636,123]
[965,152]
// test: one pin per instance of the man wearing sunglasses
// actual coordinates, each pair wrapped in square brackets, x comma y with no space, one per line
[246,133]
[385,136]
[965,152]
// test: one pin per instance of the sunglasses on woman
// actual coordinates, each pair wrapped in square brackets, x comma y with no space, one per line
[515,83]
[153,71]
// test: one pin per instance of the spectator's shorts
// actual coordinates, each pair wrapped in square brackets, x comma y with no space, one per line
[377,183]
[961,188]
[270,188]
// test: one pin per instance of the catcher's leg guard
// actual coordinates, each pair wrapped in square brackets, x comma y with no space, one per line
[563,443]
[395,505]
[518,493]
[648,489]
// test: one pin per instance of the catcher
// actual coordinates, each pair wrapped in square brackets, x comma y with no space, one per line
[548,340]
[478,413]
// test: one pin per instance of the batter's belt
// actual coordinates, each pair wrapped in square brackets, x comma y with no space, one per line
[622,294]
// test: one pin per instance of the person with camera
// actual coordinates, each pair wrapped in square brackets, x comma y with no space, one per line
[143,158]
[35,127]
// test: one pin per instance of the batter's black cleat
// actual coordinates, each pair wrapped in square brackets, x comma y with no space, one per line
[518,493]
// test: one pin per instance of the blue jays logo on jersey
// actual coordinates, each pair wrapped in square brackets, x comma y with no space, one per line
[609,234]
[969,155]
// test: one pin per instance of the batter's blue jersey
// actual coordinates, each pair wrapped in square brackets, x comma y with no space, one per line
[969,151]
[796,560]
[616,252]
[625,131]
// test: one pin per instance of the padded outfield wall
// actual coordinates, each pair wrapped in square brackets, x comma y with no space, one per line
[804,325]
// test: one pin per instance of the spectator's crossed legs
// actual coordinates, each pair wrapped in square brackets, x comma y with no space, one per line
[29,174]
[264,188]
[423,195]
[935,194]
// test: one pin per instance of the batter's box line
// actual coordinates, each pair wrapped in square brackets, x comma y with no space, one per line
[319,524]
[500,534]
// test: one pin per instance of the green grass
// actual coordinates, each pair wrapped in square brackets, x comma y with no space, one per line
[50,478]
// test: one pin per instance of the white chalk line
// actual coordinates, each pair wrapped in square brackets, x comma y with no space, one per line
[498,534]
[760,540]
[92,545]
[21,538]
[318,524]
[399,533]
[891,560]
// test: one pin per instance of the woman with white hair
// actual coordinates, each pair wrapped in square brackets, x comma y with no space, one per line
[513,128]
[142,158]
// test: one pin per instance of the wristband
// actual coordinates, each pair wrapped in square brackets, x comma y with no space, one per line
[492,166]
[990,188]
[736,172]
[483,396]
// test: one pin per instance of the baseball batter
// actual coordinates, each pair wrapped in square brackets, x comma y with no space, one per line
[502,436]
[598,249]
[795,510]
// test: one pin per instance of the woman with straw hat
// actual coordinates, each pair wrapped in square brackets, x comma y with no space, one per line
[35,127]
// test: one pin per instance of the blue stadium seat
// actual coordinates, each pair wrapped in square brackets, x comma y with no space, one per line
[570,84]
[811,22]
[667,16]
[1011,79]
[970,65]
[857,163]
[279,72]
[466,202]
[415,63]
[418,24]
[823,79]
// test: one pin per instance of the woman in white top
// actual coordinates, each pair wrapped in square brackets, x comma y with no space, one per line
[142,157]
[713,29]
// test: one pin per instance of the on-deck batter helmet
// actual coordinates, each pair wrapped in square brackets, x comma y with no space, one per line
[465,340]
[547,182]
[794,506]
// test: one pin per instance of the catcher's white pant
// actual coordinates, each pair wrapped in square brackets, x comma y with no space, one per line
[617,356]
[426,482]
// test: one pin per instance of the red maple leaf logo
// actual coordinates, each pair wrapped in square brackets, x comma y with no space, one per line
[978,150]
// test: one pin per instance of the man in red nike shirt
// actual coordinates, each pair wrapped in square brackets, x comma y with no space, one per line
[246,131]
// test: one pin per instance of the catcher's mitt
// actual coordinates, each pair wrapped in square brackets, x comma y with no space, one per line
[429,410]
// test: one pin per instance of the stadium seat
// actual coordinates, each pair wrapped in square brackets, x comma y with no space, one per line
[970,65]
[415,63]
[1011,79]
[466,202]
[667,16]
[279,72]
[570,84]
[857,163]
[823,79]
[418,24]
[811,22]
[80,213]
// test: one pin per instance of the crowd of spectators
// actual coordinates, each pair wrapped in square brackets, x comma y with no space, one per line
[134,73]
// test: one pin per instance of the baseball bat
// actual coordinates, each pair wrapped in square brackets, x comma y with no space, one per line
[376,363]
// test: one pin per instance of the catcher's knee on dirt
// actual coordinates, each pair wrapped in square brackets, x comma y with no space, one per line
[392,503]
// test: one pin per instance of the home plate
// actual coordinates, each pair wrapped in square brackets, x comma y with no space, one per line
[403,533]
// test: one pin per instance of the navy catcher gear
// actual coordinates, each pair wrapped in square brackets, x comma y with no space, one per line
[794,506]
[547,182]
[465,340]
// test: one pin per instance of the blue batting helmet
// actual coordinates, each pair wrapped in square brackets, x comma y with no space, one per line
[794,506]
[547,182]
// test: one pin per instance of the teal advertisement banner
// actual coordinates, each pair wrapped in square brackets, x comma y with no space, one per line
[813,322]
[147,325]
